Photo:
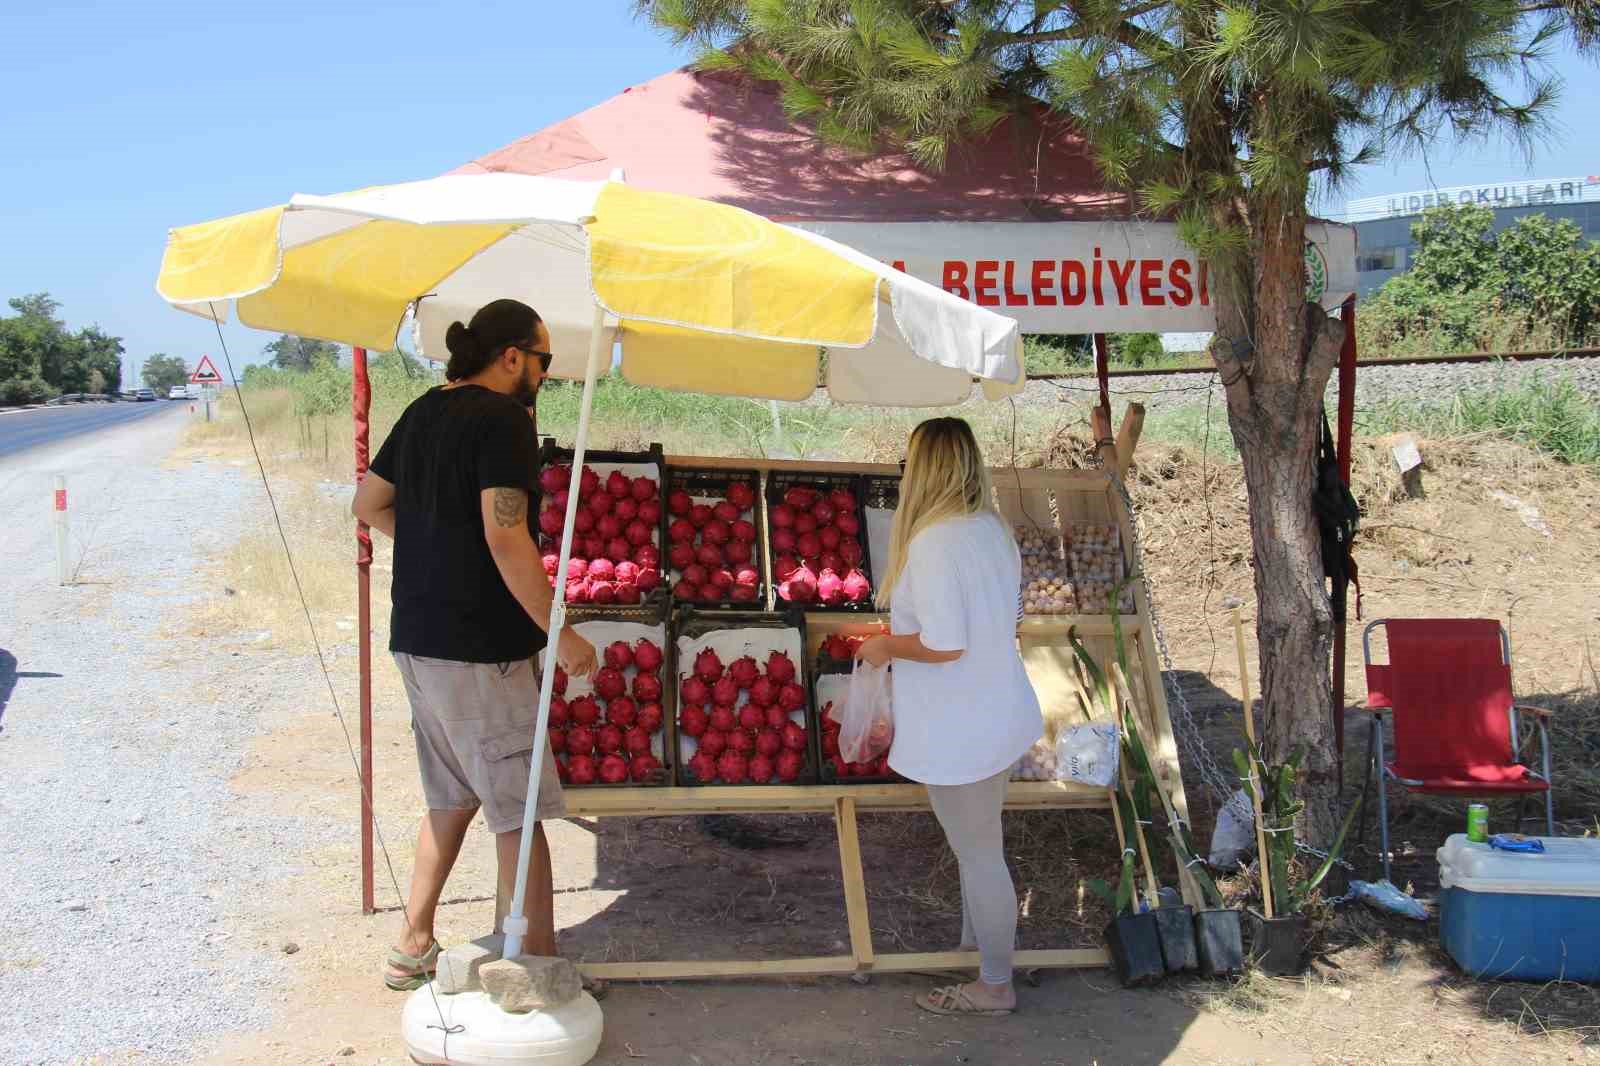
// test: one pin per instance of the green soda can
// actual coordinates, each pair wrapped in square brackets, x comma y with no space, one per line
[1478,823]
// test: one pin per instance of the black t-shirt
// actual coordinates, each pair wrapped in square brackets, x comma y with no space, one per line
[449,599]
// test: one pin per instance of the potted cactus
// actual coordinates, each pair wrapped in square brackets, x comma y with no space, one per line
[1280,931]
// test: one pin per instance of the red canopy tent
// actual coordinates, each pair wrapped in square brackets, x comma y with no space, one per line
[1020,220]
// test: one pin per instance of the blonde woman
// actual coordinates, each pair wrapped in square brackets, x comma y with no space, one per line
[964,711]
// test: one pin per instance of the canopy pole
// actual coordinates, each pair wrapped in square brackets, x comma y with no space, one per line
[516,925]
[1346,419]
[1102,371]
[361,405]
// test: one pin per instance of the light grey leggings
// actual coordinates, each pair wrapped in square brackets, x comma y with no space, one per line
[970,817]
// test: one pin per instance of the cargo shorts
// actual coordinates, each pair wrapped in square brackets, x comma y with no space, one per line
[473,724]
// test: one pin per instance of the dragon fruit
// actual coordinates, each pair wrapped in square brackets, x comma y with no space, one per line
[857,589]
[629,594]
[609,683]
[736,552]
[823,512]
[646,688]
[751,717]
[555,478]
[642,488]
[761,769]
[622,712]
[780,667]
[784,566]
[742,495]
[744,673]
[703,766]
[608,739]
[726,690]
[707,667]
[588,482]
[685,590]
[695,692]
[764,693]
[789,766]
[626,510]
[801,586]
[681,531]
[649,579]
[726,512]
[791,697]
[830,587]
[743,531]
[723,719]
[782,516]
[643,767]
[713,743]
[613,769]
[650,511]
[692,722]
[699,515]
[733,768]
[600,505]
[716,532]
[602,570]
[619,655]
[650,717]
[647,656]
[618,484]
[637,532]
[768,742]
[793,736]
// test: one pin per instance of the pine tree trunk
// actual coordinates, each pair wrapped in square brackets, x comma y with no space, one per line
[1274,393]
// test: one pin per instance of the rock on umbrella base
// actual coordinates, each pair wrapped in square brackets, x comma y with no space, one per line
[481,1034]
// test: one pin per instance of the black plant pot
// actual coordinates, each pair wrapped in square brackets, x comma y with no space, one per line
[1219,935]
[1277,945]
[1176,925]
[1134,941]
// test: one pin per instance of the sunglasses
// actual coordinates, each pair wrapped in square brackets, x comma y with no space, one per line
[543,357]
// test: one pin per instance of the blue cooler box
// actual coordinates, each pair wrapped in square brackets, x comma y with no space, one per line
[1530,917]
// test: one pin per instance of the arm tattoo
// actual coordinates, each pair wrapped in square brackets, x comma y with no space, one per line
[510,507]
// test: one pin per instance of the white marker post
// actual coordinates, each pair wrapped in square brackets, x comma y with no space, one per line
[63,571]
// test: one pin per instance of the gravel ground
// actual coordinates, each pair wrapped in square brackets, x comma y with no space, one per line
[123,847]
[1375,385]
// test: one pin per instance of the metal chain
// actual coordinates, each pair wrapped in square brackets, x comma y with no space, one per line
[1185,728]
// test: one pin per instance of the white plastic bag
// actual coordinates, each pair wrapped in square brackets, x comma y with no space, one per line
[866,728]
[1086,754]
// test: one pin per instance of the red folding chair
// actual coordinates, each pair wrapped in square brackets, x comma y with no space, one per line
[1447,686]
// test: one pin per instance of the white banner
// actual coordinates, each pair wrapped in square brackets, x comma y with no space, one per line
[1081,277]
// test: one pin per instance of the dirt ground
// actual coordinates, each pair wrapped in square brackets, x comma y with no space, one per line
[1379,991]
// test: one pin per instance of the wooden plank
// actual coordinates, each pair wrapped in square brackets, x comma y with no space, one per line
[1035,959]
[628,802]
[1128,437]
[855,884]
[1165,757]
[833,965]
[815,966]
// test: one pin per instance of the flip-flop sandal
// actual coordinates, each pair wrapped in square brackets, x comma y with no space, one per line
[953,999]
[422,966]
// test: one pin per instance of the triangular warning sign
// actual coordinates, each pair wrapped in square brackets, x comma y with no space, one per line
[205,373]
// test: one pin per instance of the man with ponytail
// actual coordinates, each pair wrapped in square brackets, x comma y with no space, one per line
[454,485]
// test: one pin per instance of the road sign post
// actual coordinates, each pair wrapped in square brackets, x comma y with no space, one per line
[205,375]
[63,570]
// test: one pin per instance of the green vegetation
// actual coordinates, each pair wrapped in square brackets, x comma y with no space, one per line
[1535,285]
[162,371]
[40,358]
[1550,416]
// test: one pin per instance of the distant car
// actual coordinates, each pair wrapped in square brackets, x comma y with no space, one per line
[177,392]
[142,395]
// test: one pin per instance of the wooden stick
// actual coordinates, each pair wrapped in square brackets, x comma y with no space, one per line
[1255,780]
[855,885]
[1128,437]
[1191,891]
[1152,886]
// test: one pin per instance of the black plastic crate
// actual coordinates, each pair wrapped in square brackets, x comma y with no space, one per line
[692,623]
[648,614]
[826,771]
[779,485]
[711,483]
[551,454]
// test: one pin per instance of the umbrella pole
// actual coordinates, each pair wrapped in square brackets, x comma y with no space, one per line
[516,925]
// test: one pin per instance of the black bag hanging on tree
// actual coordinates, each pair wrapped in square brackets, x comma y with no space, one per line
[1338,519]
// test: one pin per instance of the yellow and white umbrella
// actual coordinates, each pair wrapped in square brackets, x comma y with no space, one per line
[702,296]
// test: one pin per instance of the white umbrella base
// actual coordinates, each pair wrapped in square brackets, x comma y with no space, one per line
[484,1035]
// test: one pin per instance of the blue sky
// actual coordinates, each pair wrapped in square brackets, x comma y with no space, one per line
[121,120]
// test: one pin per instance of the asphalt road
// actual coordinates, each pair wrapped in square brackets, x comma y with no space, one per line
[21,430]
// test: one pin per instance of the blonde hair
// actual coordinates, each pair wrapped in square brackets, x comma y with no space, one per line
[944,477]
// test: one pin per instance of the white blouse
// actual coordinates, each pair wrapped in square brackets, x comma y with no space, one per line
[967,720]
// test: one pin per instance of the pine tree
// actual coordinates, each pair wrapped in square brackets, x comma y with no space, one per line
[1220,115]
